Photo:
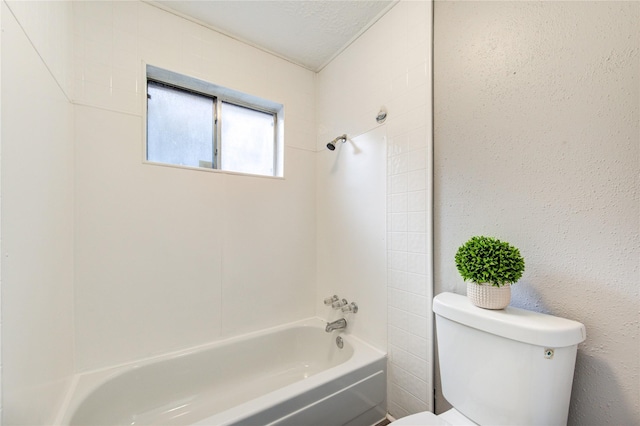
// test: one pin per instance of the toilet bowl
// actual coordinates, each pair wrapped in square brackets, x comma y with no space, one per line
[425,418]
[500,366]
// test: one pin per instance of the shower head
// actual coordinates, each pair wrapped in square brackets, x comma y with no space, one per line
[332,145]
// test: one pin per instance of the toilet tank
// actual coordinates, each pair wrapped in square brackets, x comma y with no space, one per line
[508,366]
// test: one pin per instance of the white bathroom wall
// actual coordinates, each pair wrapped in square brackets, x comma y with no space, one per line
[388,66]
[47,25]
[37,212]
[351,223]
[537,112]
[167,257]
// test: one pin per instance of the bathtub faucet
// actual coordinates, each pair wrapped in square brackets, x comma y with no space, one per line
[336,325]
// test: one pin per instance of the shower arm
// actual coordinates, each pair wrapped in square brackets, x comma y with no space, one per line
[332,145]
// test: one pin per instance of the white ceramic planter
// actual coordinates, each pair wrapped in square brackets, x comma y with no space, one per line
[489,297]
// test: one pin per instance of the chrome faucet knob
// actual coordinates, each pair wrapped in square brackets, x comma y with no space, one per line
[339,304]
[329,300]
[352,307]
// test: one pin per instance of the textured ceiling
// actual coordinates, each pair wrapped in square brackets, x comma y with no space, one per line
[309,33]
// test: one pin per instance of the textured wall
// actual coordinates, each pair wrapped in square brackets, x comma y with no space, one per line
[536,142]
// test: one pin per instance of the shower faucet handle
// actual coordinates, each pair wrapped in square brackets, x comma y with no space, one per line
[329,300]
[339,304]
[351,307]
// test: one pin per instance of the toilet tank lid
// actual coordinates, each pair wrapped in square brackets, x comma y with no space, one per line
[513,323]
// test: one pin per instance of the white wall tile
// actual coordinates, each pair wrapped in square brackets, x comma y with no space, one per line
[408,302]
[49,31]
[352,238]
[417,76]
[399,163]
[417,97]
[110,40]
[408,382]
[399,203]
[417,138]
[402,76]
[398,222]
[416,263]
[398,241]
[397,279]
[399,183]
[138,277]
[398,145]
[416,366]
[99,52]
[416,180]
[173,287]
[400,85]
[408,402]
[417,222]
[411,343]
[417,242]
[398,260]
[418,284]
[407,321]
[418,160]
[417,201]
[37,215]
[126,17]
[278,243]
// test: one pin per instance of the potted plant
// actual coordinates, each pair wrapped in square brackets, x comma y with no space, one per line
[490,266]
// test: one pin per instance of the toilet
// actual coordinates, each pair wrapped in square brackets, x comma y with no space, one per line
[502,367]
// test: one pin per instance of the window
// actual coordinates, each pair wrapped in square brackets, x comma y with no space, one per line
[180,126]
[193,123]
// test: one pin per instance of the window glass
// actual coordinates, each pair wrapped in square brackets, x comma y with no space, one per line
[247,140]
[180,126]
[195,123]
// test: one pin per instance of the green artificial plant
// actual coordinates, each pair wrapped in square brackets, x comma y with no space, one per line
[486,260]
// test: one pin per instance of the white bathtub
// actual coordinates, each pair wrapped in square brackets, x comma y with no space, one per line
[289,375]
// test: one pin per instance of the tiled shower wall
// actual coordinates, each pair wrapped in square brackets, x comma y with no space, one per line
[162,252]
[48,26]
[99,70]
[37,210]
[390,66]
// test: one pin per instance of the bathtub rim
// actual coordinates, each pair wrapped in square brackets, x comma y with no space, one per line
[84,383]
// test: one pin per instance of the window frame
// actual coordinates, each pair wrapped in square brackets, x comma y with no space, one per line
[219,95]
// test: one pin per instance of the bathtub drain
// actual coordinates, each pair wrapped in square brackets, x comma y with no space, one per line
[339,342]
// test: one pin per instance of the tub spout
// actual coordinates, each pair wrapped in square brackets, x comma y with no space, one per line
[340,324]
